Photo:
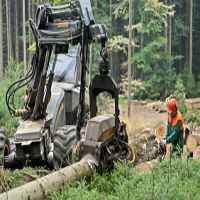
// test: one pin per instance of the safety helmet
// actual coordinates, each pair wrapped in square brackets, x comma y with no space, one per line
[171,105]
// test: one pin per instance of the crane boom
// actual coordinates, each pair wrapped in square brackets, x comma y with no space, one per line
[55,28]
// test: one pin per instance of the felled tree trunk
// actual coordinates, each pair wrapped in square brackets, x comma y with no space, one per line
[1,39]
[40,188]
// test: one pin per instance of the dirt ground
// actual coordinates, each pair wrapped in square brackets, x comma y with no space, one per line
[141,118]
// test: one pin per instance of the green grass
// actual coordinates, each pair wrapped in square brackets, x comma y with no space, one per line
[179,180]
[12,74]
[13,178]
[122,100]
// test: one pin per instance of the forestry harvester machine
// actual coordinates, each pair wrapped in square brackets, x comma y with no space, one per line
[55,118]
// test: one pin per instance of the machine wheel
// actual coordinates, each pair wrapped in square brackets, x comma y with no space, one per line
[130,155]
[4,147]
[64,142]
[71,117]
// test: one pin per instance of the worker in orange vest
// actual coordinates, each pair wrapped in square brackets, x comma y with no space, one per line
[175,127]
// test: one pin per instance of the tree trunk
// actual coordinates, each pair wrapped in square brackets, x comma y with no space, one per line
[111,22]
[133,41]
[96,4]
[170,34]
[1,39]
[29,29]
[8,29]
[24,36]
[16,32]
[40,188]
[168,31]
[12,28]
[191,37]
[130,55]
[192,142]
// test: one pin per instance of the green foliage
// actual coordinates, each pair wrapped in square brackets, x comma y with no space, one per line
[180,95]
[121,9]
[154,17]
[155,65]
[176,179]
[191,89]
[186,87]
[194,117]
[13,73]
[152,61]
[150,55]
[122,100]
[118,43]
[138,90]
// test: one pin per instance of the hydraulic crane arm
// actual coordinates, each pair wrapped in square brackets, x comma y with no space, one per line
[86,12]
[54,29]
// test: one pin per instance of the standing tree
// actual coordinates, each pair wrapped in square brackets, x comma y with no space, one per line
[24,35]
[130,55]
[29,30]
[16,32]
[8,29]
[1,40]
[191,36]
[168,31]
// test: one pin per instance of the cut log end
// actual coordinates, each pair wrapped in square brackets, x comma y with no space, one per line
[196,153]
[160,132]
[192,142]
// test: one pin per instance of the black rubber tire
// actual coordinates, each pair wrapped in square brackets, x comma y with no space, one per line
[71,117]
[64,142]
[4,147]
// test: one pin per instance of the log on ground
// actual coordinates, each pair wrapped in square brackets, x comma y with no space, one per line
[40,188]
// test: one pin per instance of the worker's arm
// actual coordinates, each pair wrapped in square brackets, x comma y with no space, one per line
[173,135]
